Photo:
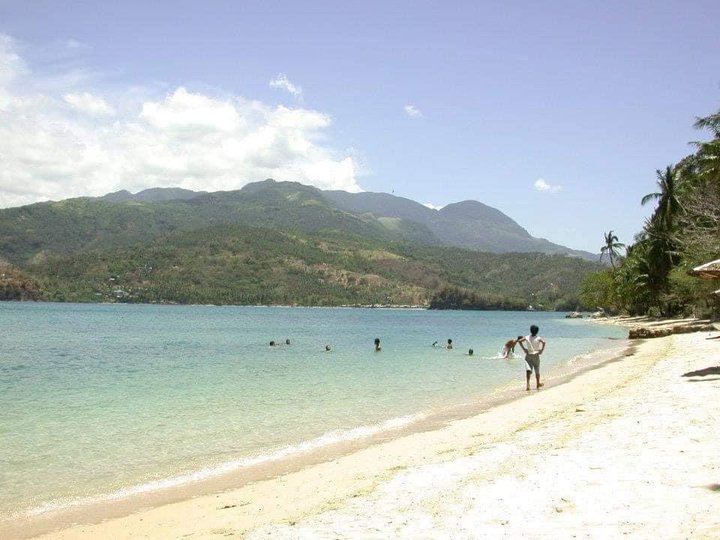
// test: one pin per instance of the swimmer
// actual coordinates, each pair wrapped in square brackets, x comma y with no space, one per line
[509,347]
[377,344]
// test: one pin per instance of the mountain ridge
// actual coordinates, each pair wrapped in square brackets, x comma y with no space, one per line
[122,218]
[278,243]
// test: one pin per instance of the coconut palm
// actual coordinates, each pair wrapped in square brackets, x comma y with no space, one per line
[611,248]
[708,153]
[669,205]
[711,122]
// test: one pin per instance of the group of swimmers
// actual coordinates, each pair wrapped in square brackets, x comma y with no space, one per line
[532,345]
[450,346]
[287,342]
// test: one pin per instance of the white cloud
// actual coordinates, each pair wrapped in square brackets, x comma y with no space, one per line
[11,65]
[181,138]
[89,104]
[433,206]
[194,113]
[542,185]
[283,83]
[412,111]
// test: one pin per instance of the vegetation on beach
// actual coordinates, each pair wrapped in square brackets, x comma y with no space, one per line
[683,232]
[17,285]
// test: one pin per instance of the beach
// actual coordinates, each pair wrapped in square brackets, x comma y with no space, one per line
[628,448]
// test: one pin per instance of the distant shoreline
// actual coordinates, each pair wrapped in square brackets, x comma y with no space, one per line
[342,306]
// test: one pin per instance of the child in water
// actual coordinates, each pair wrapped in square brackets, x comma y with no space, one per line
[509,347]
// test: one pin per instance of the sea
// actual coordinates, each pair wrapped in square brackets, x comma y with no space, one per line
[103,402]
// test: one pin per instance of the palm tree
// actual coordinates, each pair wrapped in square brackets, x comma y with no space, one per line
[611,248]
[711,122]
[669,205]
[661,247]
[708,154]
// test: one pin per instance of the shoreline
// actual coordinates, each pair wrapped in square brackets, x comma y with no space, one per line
[106,508]
[333,480]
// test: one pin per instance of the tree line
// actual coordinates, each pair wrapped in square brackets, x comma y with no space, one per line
[235,264]
[653,276]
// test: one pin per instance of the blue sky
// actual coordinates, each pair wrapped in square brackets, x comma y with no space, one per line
[556,113]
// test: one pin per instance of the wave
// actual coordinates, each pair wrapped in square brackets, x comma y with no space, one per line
[325,440]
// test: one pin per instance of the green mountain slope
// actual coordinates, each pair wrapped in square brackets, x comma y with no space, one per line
[468,224]
[240,265]
[278,243]
[74,225]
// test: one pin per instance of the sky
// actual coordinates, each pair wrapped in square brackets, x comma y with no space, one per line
[557,113]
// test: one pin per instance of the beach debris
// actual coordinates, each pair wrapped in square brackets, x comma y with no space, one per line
[643,332]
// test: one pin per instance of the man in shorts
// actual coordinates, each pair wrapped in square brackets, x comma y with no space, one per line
[533,345]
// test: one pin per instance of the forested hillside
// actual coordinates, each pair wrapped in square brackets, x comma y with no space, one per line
[272,243]
[240,265]
[655,274]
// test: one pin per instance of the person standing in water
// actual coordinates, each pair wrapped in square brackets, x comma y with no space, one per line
[449,345]
[509,347]
[533,345]
[377,344]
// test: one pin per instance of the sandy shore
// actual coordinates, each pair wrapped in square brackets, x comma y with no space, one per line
[629,449]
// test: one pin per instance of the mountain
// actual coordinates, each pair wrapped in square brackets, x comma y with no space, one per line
[278,243]
[152,195]
[123,219]
[468,224]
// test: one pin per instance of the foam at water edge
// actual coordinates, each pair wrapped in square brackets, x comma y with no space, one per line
[324,440]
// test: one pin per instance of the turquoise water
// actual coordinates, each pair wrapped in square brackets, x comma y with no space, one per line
[100,401]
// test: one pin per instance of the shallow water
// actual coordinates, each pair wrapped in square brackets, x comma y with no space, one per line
[100,401]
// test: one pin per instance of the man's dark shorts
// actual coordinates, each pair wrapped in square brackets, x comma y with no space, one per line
[533,361]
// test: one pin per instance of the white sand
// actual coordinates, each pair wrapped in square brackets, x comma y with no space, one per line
[631,449]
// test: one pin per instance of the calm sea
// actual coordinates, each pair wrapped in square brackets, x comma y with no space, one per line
[102,401]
